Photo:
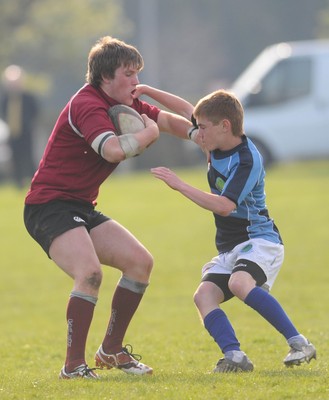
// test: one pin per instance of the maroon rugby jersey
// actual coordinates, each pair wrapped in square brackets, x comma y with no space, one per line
[70,169]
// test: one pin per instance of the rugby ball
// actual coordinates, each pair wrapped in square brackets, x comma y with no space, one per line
[125,119]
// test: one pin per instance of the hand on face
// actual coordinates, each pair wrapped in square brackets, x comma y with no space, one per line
[122,87]
[139,91]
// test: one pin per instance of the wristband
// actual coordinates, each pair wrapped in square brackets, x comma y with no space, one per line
[192,133]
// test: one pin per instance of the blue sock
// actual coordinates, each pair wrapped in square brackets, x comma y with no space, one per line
[270,309]
[220,328]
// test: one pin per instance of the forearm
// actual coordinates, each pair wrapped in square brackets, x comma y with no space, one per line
[174,124]
[218,204]
[119,148]
[169,100]
[211,202]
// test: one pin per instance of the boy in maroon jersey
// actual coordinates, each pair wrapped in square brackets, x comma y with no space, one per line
[83,150]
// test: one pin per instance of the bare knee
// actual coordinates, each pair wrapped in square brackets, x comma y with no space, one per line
[94,279]
[145,263]
[89,281]
[148,263]
[207,297]
[241,283]
[199,296]
[140,269]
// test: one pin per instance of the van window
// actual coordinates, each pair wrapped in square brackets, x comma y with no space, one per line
[289,79]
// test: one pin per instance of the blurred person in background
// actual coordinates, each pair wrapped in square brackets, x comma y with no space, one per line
[19,109]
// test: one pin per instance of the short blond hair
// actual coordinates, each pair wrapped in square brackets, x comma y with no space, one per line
[220,105]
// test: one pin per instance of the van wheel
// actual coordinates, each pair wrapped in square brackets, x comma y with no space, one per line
[264,151]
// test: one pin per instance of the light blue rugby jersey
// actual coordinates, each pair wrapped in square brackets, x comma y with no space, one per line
[239,175]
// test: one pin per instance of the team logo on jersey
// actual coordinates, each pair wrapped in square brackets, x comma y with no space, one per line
[219,184]
[246,248]
[78,219]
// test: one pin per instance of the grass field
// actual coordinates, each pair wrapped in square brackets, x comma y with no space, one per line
[166,329]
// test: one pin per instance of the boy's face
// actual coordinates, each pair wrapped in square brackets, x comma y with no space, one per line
[212,136]
[122,86]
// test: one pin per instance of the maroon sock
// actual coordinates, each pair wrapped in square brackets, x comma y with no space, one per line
[124,305]
[79,316]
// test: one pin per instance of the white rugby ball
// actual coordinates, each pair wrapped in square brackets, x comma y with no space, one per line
[125,119]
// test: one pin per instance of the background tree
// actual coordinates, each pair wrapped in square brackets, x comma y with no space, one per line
[51,41]
[190,47]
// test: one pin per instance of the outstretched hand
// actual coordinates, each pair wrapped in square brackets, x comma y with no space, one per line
[167,176]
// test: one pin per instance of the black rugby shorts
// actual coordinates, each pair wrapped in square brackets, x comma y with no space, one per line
[45,222]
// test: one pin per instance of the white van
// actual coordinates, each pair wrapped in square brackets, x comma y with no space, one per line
[285,94]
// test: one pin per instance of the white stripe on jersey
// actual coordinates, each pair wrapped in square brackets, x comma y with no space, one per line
[99,142]
[76,130]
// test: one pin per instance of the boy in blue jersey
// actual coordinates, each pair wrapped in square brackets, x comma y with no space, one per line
[250,249]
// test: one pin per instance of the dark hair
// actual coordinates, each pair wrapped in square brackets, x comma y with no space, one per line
[107,55]
[220,105]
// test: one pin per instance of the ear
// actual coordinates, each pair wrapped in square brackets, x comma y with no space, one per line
[106,79]
[226,125]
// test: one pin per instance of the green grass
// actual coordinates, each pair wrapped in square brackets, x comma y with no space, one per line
[166,329]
